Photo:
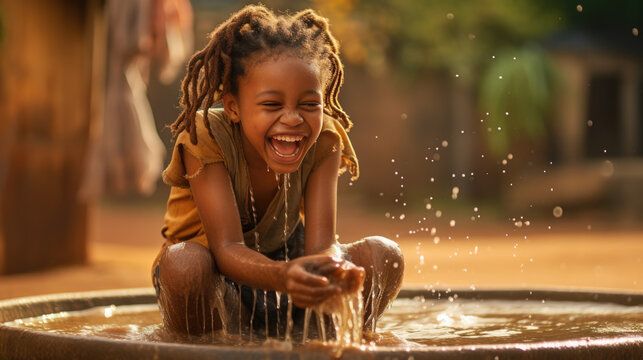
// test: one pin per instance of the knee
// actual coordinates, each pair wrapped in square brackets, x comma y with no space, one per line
[386,252]
[186,266]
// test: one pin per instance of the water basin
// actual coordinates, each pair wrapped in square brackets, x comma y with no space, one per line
[420,324]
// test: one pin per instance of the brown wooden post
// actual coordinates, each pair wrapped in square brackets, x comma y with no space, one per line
[48,86]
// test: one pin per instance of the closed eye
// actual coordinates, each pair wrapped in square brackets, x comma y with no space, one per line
[311,105]
[271,105]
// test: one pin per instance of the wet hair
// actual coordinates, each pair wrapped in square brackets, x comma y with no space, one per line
[249,35]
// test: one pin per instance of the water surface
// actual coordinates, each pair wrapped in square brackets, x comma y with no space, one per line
[409,323]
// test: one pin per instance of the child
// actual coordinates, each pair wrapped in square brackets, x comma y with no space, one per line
[246,177]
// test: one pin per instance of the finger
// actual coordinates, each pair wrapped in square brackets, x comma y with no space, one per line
[309,279]
[317,292]
[329,268]
[318,261]
[303,300]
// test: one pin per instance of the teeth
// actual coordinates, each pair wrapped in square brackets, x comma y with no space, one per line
[288,138]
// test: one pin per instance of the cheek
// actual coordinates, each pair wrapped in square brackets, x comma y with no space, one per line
[316,124]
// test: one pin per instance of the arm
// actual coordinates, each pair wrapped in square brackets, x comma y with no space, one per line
[321,213]
[320,204]
[215,201]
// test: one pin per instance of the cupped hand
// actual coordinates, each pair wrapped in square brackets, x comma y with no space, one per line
[348,276]
[310,280]
[304,281]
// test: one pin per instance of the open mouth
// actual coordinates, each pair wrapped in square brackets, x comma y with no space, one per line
[286,146]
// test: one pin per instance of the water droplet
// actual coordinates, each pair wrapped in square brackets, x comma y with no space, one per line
[500,77]
[452,223]
[393,160]
[504,161]
[475,209]
[421,259]
[450,16]
[381,194]
[396,265]
[527,223]
[387,215]
[435,267]
[607,169]
[438,213]
[457,75]
[590,123]
[558,211]
[402,216]
[436,240]
[518,224]
[445,143]
[635,31]
[579,8]
[428,206]
[454,192]
[493,57]
[507,113]
[510,156]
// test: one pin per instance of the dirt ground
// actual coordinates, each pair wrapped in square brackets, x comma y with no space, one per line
[125,241]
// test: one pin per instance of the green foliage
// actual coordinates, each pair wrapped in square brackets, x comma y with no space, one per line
[518,83]
[452,35]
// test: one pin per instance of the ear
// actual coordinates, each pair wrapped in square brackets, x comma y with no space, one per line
[231,107]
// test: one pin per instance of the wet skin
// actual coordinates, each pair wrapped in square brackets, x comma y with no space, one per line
[279,107]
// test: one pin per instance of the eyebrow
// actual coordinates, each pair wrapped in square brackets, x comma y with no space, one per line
[275,92]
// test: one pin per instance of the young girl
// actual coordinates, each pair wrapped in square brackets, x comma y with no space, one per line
[259,171]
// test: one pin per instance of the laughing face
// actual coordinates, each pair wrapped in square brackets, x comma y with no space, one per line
[279,106]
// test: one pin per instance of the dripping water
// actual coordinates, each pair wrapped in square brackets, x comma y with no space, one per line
[257,248]
[289,321]
[278,302]
[240,307]
[306,322]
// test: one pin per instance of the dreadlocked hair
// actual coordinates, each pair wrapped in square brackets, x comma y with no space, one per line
[255,30]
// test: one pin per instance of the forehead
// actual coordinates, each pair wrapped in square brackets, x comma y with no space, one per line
[281,72]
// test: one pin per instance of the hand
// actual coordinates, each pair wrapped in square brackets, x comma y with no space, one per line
[347,276]
[304,279]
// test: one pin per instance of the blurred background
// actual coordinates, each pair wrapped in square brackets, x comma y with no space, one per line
[499,140]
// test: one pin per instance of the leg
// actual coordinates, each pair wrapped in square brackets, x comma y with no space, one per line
[384,264]
[188,282]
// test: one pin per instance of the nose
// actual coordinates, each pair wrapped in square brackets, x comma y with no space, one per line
[291,118]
